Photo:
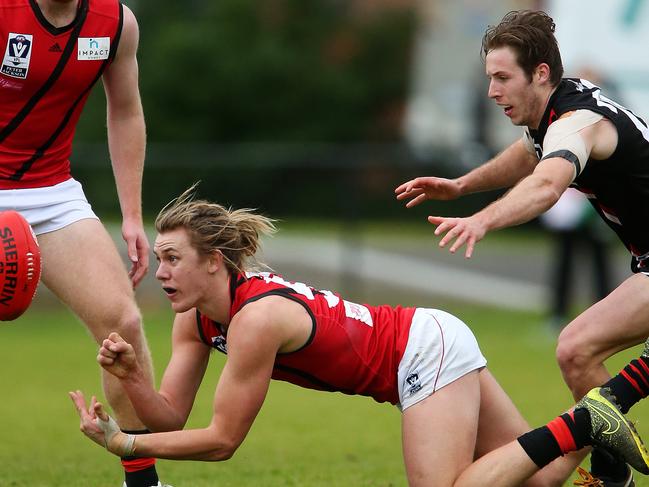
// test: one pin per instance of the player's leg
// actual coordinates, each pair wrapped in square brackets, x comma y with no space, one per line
[594,420]
[615,323]
[632,383]
[500,423]
[439,394]
[439,433]
[82,267]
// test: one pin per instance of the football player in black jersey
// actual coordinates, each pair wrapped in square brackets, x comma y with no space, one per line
[573,136]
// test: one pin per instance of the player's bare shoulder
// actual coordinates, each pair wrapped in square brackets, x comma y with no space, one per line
[185,327]
[130,36]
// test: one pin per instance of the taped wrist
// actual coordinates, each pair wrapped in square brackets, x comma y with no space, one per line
[120,446]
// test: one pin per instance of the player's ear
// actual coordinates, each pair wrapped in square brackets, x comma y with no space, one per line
[215,261]
[542,73]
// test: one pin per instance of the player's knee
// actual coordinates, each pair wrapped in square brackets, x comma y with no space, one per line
[128,323]
[572,356]
[129,326]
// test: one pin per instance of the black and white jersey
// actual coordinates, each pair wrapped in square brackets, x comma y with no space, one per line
[618,187]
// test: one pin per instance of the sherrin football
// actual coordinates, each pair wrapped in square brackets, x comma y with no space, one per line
[20,265]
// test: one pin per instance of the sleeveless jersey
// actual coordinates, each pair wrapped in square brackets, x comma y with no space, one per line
[354,349]
[45,78]
[618,187]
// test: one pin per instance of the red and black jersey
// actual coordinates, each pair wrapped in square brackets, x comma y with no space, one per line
[45,78]
[618,187]
[354,349]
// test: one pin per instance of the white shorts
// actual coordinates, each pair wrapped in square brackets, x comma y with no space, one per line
[49,208]
[440,349]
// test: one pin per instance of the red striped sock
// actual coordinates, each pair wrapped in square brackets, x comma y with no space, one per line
[132,464]
[560,429]
[631,384]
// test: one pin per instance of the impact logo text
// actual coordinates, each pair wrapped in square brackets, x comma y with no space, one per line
[93,48]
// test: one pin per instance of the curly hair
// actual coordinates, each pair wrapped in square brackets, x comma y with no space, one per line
[530,34]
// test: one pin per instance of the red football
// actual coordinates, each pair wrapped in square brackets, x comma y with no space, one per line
[20,265]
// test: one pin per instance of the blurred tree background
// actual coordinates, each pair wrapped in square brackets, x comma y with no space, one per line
[285,105]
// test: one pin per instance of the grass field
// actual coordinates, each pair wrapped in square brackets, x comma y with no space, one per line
[301,438]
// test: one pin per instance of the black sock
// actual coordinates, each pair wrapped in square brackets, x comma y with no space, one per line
[582,427]
[142,478]
[568,432]
[631,384]
[540,446]
[605,465]
[146,474]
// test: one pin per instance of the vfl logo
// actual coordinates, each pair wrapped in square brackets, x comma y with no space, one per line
[17,55]
[93,48]
[413,382]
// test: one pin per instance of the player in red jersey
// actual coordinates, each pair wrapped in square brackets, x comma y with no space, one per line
[53,52]
[425,361]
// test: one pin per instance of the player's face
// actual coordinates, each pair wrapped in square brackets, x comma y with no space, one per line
[182,271]
[520,99]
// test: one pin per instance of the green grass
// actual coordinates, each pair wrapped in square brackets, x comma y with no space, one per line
[301,437]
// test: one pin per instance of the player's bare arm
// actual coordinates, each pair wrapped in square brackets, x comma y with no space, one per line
[528,199]
[255,336]
[567,152]
[503,171]
[126,142]
[185,370]
[254,339]
[168,409]
[553,174]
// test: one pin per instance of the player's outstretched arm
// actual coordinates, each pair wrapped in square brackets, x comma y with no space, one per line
[420,189]
[503,171]
[168,408]
[528,199]
[253,341]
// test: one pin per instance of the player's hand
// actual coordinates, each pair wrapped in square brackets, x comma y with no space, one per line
[137,245]
[117,356]
[419,190]
[97,425]
[88,424]
[460,231]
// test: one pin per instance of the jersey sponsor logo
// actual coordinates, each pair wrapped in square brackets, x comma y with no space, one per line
[17,55]
[93,48]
